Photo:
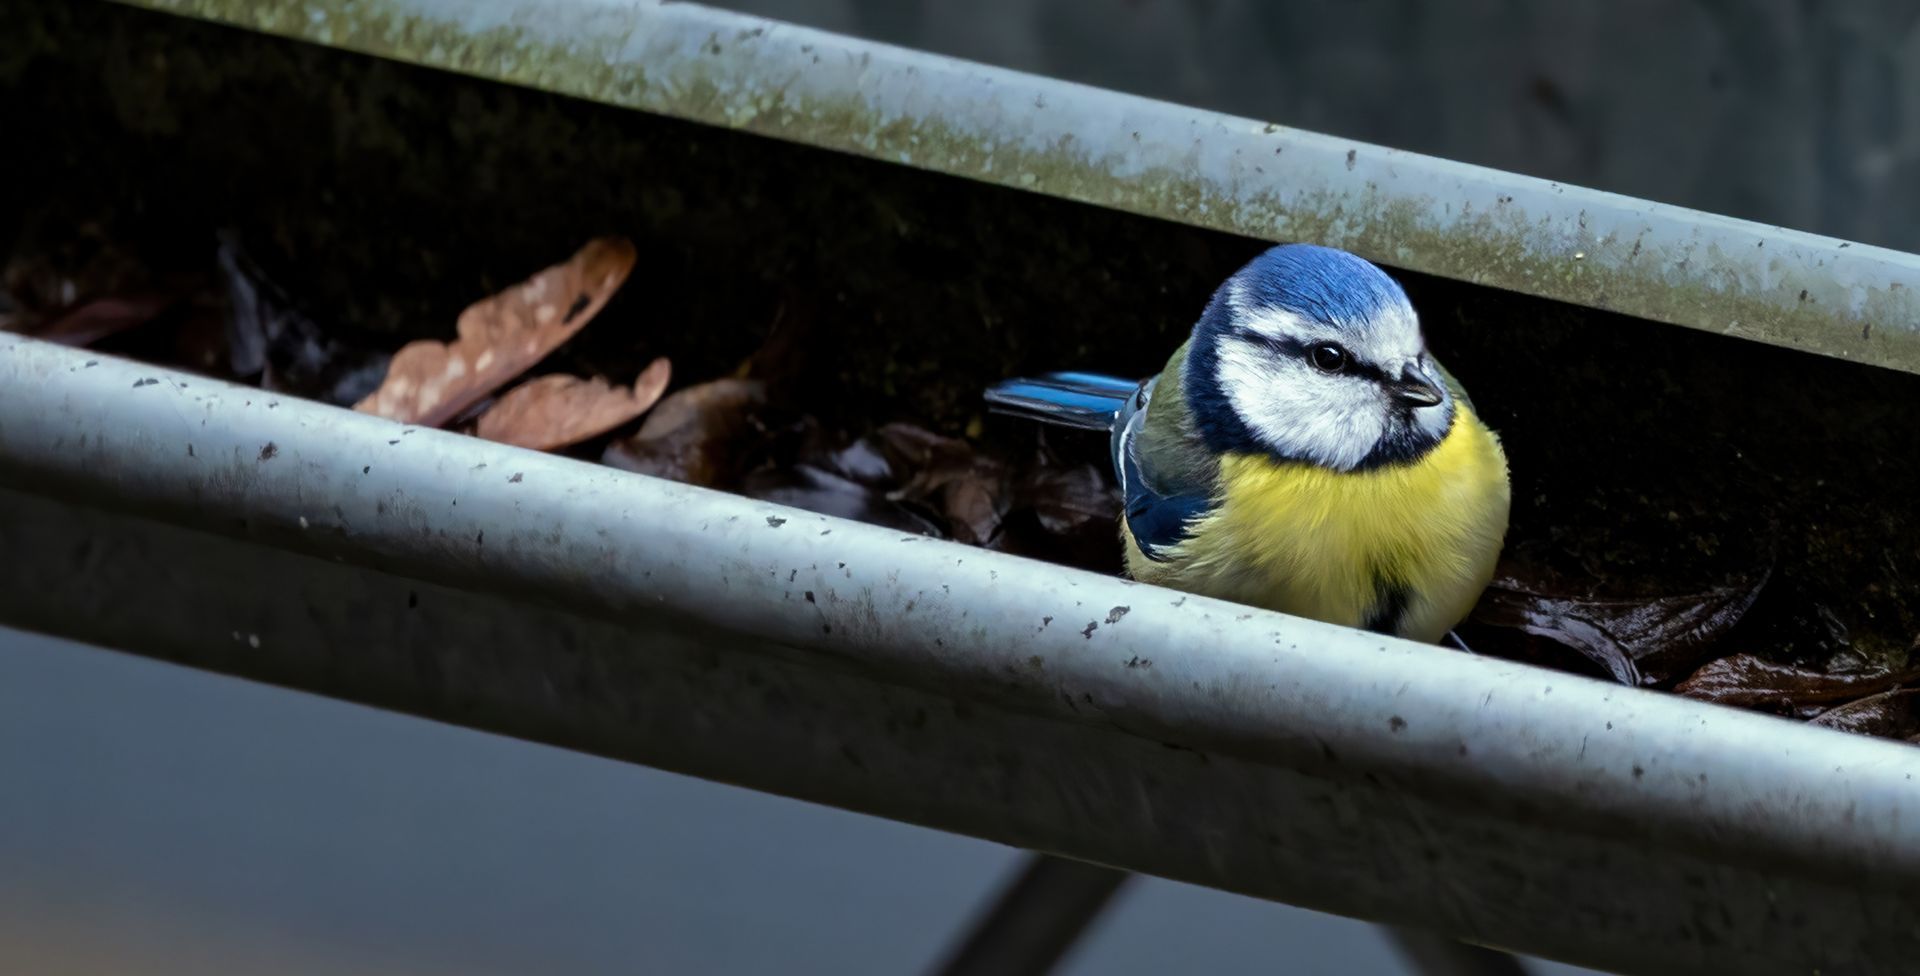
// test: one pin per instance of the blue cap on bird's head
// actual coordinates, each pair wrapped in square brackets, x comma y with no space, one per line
[1322,284]
[1315,355]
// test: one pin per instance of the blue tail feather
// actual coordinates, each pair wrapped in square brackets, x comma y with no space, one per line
[1095,382]
[1087,401]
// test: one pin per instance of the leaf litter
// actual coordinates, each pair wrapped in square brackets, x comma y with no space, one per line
[1743,679]
[555,411]
[430,382]
[1633,640]
[693,435]
[744,433]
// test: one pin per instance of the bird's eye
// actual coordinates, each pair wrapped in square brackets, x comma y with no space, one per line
[1328,357]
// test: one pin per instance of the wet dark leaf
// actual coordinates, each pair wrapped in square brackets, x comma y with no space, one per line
[825,492]
[555,411]
[1560,621]
[430,382]
[270,341]
[906,476]
[1890,714]
[1067,500]
[865,463]
[1067,514]
[948,477]
[914,451]
[1743,679]
[696,435]
[1633,640]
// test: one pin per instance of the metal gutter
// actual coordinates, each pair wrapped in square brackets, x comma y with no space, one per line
[943,685]
[1266,181]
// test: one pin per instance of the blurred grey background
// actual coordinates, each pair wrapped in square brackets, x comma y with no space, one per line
[159,820]
[1791,112]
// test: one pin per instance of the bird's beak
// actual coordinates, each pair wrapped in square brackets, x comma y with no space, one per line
[1415,390]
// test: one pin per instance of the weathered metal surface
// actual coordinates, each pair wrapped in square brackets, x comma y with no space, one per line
[1474,224]
[943,685]
[1778,111]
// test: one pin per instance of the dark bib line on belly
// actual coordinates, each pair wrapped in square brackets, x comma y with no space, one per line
[1389,607]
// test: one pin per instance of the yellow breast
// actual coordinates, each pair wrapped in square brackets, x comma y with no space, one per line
[1412,543]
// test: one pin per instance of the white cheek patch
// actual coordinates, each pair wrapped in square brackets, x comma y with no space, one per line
[1332,421]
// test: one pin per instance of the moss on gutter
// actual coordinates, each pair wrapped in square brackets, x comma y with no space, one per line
[1505,247]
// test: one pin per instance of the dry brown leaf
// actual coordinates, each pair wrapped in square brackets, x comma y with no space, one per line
[555,411]
[430,383]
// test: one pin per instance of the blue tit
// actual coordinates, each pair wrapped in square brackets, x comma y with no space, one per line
[1301,451]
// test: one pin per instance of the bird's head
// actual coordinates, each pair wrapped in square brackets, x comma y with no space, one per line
[1311,354]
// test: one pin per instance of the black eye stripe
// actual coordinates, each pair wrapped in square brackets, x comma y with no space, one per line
[1365,370]
[1280,344]
[1303,351]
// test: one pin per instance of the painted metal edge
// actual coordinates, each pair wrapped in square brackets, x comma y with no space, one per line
[1502,742]
[725,708]
[1266,181]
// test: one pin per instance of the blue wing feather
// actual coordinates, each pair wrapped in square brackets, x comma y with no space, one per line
[1157,521]
[1161,521]
[1093,402]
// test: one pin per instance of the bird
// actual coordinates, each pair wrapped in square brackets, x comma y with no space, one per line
[1302,451]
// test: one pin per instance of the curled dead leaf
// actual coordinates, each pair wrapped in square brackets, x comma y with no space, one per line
[1634,640]
[1743,679]
[430,383]
[555,411]
[693,435]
